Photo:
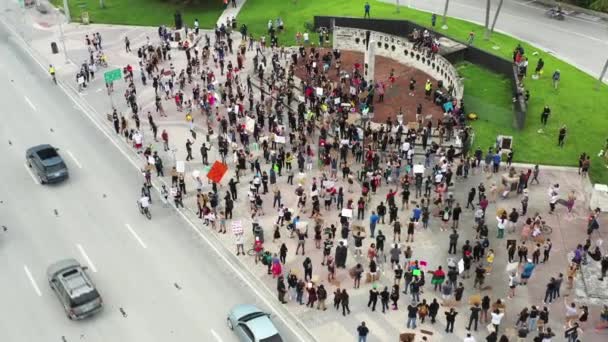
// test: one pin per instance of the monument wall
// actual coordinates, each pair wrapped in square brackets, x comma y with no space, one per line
[401,50]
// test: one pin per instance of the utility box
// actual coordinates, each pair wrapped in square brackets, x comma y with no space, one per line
[54,48]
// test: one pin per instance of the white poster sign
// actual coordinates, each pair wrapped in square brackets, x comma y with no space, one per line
[237,227]
[180,166]
[347,213]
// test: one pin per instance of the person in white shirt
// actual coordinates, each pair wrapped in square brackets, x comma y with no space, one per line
[496,318]
[144,202]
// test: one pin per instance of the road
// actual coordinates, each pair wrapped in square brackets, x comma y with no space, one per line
[168,281]
[582,41]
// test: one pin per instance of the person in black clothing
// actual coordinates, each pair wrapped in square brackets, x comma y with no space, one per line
[232,184]
[282,290]
[453,241]
[549,291]
[344,301]
[455,217]
[362,330]
[373,298]
[604,267]
[474,317]
[380,238]
[485,307]
[544,116]
[384,297]
[381,210]
[450,317]
[433,310]
[189,150]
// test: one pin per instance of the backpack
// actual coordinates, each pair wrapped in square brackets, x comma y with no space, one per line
[266,259]
[423,310]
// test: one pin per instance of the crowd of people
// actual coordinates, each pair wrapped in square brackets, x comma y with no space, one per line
[274,131]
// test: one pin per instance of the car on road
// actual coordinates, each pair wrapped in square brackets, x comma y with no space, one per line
[252,324]
[46,164]
[75,290]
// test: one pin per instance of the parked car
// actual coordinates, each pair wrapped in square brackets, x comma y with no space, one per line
[74,288]
[46,163]
[252,324]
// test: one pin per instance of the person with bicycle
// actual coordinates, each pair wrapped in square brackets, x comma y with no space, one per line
[52,73]
[144,205]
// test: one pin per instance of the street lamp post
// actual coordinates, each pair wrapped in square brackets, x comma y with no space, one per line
[444,24]
[601,78]
[66,10]
[62,38]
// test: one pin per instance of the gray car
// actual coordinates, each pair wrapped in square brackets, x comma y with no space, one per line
[46,164]
[74,288]
[252,324]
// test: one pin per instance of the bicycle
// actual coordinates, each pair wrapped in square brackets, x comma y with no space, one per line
[144,211]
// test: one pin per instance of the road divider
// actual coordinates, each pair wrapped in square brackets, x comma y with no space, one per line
[31,278]
[86,258]
[75,160]
[29,103]
[141,242]
[216,336]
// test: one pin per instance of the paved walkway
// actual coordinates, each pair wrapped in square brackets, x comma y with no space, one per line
[429,246]
[230,12]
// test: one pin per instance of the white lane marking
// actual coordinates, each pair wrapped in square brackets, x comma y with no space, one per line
[103,130]
[34,285]
[216,336]
[29,171]
[75,160]
[141,242]
[29,102]
[86,257]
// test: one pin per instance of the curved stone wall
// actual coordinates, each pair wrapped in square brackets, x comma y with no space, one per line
[401,50]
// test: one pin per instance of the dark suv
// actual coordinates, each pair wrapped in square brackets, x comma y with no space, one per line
[74,288]
[46,163]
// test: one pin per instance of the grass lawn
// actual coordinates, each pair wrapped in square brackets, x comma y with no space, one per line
[146,12]
[575,104]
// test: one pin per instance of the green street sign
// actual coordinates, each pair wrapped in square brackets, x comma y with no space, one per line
[112,75]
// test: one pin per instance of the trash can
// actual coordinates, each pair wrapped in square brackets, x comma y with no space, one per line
[54,48]
[258,231]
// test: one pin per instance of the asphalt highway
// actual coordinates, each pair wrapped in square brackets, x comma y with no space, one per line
[581,40]
[168,282]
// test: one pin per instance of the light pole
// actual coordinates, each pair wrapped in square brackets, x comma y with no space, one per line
[66,10]
[62,37]
[496,16]
[444,23]
[487,33]
[599,81]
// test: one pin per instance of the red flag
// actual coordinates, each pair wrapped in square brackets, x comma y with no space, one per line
[217,171]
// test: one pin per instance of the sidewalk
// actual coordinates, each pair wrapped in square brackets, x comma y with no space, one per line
[230,11]
[429,246]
